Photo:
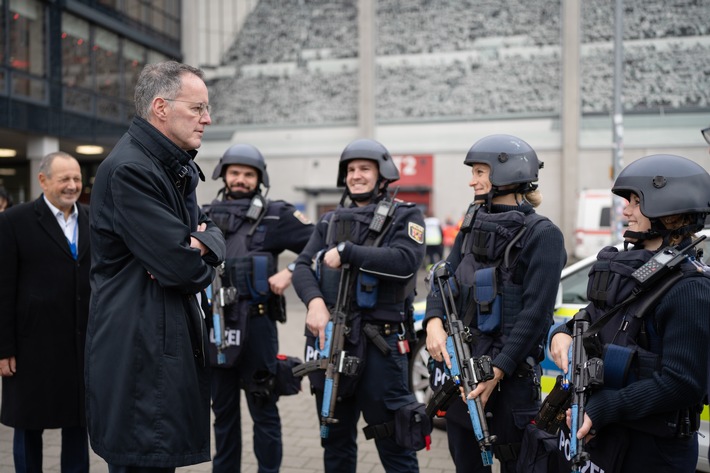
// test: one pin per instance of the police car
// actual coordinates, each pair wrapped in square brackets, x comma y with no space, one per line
[571,297]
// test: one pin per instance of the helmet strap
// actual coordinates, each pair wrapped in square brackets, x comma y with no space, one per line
[231,195]
[640,238]
[379,189]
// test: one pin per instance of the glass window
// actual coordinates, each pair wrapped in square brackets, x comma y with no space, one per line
[109,3]
[155,56]
[76,52]
[133,63]
[108,65]
[2,34]
[27,48]
[135,10]
[2,47]
[133,59]
[76,64]
[574,286]
[165,17]
[108,73]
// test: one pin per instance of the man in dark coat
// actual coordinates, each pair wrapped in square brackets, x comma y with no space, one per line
[44,305]
[147,376]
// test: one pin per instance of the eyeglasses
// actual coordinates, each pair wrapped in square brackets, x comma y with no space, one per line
[199,107]
[706,134]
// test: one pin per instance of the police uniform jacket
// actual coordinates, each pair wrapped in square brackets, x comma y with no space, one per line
[147,377]
[395,260]
[44,305]
[537,270]
[280,227]
[678,331]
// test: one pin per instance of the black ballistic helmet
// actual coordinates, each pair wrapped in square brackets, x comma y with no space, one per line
[367,149]
[666,185]
[512,160]
[246,155]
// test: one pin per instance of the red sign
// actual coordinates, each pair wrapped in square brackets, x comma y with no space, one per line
[414,169]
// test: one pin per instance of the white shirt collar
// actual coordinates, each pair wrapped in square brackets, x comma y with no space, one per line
[60,214]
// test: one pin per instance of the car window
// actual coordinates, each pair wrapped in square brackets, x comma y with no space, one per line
[574,286]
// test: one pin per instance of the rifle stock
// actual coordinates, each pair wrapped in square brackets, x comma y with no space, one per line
[466,371]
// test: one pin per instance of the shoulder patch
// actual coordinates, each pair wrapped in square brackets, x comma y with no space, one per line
[301,217]
[416,232]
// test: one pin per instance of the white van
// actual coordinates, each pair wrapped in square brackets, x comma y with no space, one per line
[593,228]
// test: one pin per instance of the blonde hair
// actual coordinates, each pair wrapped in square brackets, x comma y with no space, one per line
[534,197]
[674,222]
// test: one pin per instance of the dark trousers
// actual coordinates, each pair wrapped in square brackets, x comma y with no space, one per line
[508,412]
[383,388]
[138,469]
[660,455]
[27,450]
[254,371]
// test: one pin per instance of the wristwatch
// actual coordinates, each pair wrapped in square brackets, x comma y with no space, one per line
[291,267]
[341,248]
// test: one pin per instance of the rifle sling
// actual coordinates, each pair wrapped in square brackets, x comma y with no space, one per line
[661,287]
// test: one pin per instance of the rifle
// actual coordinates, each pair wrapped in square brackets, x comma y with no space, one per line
[466,371]
[586,373]
[221,297]
[333,358]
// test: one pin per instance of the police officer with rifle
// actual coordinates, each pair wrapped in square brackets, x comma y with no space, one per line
[356,277]
[649,324]
[506,260]
[466,371]
[247,302]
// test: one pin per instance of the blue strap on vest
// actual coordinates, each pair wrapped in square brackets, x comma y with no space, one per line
[617,361]
[259,283]
[485,293]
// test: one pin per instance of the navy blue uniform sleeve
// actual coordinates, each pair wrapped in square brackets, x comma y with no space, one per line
[292,232]
[304,279]
[541,262]
[684,326]
[401,252]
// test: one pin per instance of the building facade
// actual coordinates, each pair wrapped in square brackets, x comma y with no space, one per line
[67,73]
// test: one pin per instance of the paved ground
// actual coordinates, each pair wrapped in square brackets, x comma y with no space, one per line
[302,451]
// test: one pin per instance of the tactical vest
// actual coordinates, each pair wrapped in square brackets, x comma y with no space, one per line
[491,292]
[373,298]
[247,268]
[629,342]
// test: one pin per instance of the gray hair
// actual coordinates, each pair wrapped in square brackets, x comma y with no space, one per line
[160,79]
[45,166]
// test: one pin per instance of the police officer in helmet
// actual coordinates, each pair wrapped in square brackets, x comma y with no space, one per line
[256,230]
[501,230]
[646,416]
[388,254]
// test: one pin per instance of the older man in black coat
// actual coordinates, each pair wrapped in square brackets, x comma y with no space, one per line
[44,305]
[147,377]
